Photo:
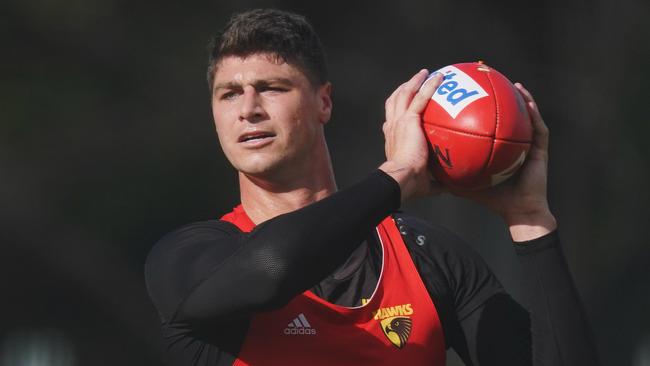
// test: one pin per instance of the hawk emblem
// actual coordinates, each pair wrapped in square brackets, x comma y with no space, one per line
[397,329]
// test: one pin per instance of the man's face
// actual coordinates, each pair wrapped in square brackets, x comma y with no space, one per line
[267,114]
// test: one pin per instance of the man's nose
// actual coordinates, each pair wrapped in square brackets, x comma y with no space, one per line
[251,109]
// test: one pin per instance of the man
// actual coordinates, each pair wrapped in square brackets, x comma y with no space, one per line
[303,274]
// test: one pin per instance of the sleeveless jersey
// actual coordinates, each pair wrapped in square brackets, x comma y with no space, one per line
[398,325]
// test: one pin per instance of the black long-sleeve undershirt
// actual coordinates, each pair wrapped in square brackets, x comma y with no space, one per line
[273,259]
[560,330]
[196,275]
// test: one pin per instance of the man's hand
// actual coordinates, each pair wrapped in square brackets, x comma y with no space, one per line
[521,201]
[406,147]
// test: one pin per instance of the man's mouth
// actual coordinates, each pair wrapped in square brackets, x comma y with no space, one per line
[253,137]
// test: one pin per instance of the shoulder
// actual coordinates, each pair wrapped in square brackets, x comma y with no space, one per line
[431,239]
[200,229]
[183,257]
[436,249]
[190,234]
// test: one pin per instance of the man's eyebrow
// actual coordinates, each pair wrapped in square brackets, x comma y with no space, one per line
[255,83]
[283,81]
[227,85]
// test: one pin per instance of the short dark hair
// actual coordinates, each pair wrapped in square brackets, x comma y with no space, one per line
[287,36]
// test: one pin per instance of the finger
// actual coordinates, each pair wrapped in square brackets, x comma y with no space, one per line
[423,96]
[541,132]
[532,105]
[524,92]
[390,103]
[409,89]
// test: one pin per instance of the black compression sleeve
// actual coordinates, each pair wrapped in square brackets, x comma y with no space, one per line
[560,331]
[502,332]
[279,259]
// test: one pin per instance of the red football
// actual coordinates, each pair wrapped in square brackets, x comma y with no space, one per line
[478,127]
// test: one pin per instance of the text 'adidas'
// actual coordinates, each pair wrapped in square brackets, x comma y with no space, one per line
[299,326]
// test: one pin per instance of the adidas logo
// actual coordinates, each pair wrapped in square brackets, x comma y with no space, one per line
[299,326]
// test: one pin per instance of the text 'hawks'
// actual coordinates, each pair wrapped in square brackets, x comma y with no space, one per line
[397,310]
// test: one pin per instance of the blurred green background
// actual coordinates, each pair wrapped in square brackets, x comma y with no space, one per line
[107,143]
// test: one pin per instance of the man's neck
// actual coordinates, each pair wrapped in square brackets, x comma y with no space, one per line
[264,199]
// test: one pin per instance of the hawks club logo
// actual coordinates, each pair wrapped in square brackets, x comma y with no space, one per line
[396,323]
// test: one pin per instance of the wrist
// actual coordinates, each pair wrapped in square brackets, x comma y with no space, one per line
[404,176]
[529,226]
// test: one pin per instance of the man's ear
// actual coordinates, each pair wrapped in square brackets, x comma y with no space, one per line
[325,102]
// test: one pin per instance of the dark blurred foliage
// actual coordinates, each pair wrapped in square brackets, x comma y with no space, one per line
[107,143]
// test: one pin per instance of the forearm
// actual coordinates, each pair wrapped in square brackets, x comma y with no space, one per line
[560,330]
[290,253]
[553,332]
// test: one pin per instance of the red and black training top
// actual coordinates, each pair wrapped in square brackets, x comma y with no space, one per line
[347,281]
[397,325]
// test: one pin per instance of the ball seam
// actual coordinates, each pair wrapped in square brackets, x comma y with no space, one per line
[496,124]
[473,134]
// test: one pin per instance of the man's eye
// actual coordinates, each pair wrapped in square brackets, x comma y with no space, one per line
[228,95]
[274,89]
